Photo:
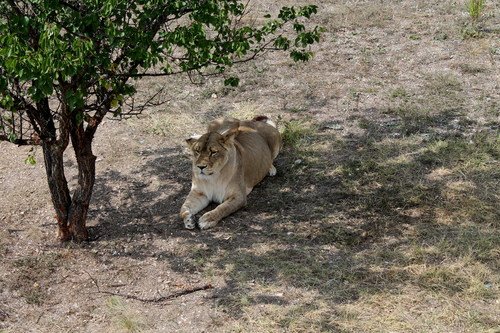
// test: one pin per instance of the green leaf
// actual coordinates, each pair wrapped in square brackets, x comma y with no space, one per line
[297,55]
[30,160]
[12,137]
[298,27]
[7,102]
[287,13]
[307,11]
[282,43]
[114,103]
[232,81]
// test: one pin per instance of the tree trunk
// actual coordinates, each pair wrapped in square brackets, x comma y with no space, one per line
[85,159]
[61,199]
[71,211]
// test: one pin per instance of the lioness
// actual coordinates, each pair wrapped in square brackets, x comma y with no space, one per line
[228,162]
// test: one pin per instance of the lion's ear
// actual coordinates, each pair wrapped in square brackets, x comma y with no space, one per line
[229,135]
[192,140]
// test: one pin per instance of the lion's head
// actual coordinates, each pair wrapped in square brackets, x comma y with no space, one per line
[211,151]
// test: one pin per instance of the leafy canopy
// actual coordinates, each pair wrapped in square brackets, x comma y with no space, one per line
[84,52]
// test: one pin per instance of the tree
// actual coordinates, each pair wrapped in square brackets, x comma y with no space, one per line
[66,64]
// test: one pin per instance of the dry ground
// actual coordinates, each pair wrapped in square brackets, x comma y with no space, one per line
[384,215]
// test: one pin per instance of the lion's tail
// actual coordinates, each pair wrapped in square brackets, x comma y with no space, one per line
[265,119]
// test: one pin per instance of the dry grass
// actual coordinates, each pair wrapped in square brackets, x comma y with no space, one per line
[294,133]
[383,216]
[122,317]
[30,274]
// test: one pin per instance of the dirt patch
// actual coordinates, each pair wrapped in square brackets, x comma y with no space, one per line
[383,216]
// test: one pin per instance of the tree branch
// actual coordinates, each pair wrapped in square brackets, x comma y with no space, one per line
[160,298]
[21,142]
[153,299]
[150,102]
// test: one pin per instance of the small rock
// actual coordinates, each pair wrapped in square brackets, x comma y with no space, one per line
[333,126]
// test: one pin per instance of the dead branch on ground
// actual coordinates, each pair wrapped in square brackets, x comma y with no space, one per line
[153,299]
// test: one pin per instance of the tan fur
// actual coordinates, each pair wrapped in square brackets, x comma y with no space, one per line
[228,161]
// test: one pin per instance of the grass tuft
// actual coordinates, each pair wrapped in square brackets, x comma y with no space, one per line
[475,9]
[442,279]
[294,133]
[122,317]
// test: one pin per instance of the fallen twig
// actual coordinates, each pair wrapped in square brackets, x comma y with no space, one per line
[39,317]
[154,299]
[161,298]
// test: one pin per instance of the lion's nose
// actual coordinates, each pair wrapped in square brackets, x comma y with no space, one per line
[202,167]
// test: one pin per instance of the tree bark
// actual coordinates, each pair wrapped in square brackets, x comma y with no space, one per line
[82,194]
[58,186]
[85,159]
[71,210]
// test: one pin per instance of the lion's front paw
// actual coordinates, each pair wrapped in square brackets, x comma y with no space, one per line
[207,221]
[188,220]
[189,223]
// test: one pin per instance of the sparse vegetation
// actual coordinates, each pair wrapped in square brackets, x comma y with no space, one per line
[475,9]
[294,132]
[472,29]
[124,320]
[383,215]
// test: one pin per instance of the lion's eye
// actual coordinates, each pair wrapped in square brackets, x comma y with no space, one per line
[214,153]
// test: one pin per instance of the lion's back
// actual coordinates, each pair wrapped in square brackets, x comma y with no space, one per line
[258,145]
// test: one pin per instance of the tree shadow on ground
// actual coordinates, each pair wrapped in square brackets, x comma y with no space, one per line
[142,202]
[344,217]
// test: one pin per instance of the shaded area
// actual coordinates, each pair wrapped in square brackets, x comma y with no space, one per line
[345,217]
[143,202]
